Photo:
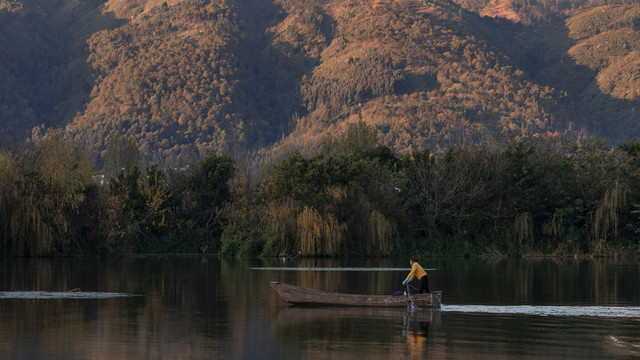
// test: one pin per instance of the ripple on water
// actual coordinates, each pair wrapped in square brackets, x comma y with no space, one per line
[592,311]
[60,295]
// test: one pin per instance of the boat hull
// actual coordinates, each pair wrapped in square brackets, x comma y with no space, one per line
[299,295]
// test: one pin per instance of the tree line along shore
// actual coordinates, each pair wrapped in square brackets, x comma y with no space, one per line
[506,196]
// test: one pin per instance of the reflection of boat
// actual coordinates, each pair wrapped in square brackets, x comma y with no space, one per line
[292,316]
[299,295]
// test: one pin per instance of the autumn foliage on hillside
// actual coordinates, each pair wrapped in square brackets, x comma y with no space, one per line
[258,80]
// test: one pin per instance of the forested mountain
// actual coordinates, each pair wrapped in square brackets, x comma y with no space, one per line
[256,79]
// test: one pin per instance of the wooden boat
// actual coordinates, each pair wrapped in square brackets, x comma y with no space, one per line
[299,295]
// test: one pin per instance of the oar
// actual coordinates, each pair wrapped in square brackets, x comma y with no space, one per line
[413,306]
[413,287]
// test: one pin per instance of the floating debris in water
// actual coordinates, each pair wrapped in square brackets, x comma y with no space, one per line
[60,295]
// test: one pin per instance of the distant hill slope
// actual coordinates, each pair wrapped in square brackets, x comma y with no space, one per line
[501,9]
[607,41]
[256,79]
[199,75]
[420,73]
[531,11]
[44,76]
[593,58]
[170,78]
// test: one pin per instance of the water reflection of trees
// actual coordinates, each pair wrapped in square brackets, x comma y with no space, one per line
[206,302]
[170,318]
[192,305]
[537,280]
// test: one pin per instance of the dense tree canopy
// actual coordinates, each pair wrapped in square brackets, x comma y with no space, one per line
[355,197]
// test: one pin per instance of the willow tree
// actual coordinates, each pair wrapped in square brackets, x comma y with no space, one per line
[342,201]
[10,189]
[605,219]
[41,192]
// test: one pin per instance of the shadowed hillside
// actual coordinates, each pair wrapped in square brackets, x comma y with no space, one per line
[44,75]
[591,57]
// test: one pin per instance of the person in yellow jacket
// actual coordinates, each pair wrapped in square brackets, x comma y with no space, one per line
[417,271]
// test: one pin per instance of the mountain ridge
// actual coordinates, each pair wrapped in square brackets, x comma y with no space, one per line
[258,80]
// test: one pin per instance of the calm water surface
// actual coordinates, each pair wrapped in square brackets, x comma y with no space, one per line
[159,307]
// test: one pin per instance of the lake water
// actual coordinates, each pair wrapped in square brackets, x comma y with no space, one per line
[158,307]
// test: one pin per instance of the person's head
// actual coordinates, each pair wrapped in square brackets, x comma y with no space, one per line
[413,259]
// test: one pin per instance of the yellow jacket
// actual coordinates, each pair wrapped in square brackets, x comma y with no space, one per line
[416,271]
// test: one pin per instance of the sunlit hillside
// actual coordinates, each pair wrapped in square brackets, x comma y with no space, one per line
[420,72]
